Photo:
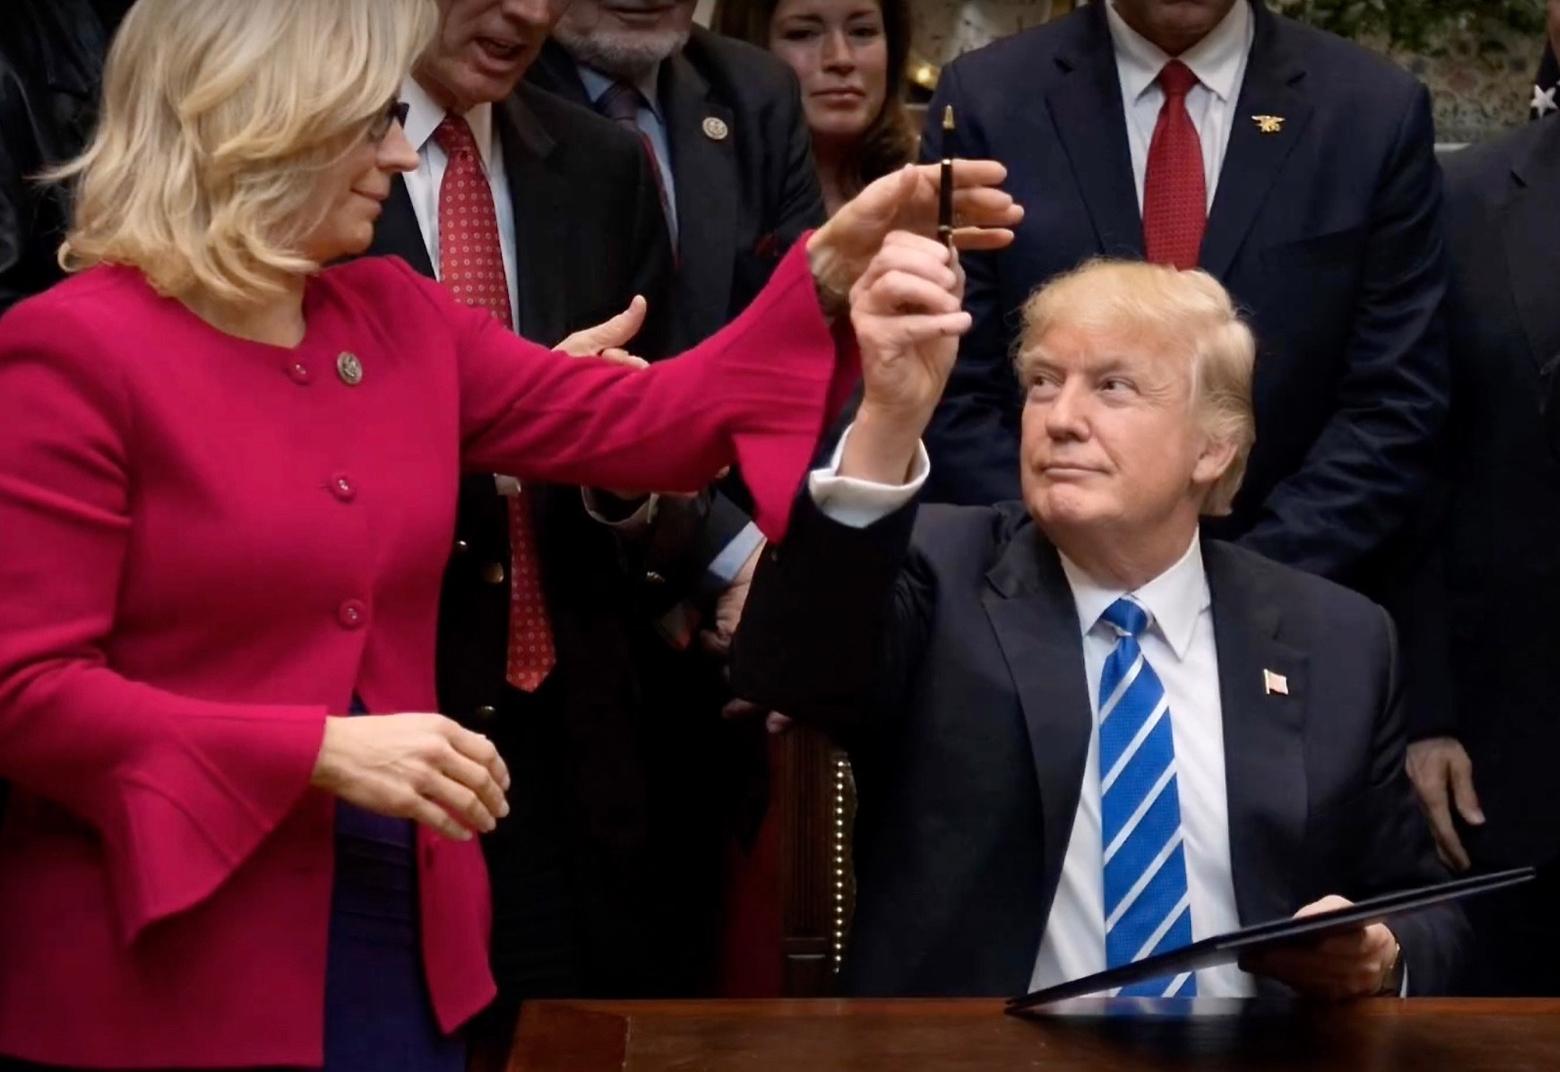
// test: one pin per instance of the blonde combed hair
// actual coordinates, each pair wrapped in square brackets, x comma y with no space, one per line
[218,118]
[1188,312]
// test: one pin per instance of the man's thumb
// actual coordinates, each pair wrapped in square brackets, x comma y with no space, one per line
[621,329]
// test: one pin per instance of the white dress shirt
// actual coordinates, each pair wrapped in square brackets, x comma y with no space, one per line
[1179,645]
[422,119]
[1218,61]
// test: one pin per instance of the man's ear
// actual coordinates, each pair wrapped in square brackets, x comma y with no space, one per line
[1217,455]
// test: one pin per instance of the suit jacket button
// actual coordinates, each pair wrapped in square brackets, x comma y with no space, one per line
[352,614]
[461,547]
[299,373]
[486,711]
[342,488]
[493,573]
[652,577]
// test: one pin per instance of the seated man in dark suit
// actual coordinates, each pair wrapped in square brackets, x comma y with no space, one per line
[1296,168]
[1081,733]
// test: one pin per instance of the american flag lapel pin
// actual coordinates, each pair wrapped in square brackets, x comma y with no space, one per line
[1274,684]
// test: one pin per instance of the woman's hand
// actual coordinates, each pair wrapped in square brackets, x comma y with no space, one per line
[415,766]
[907,313]
[906,200]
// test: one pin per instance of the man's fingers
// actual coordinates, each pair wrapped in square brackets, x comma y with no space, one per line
[609,334]
[911,329]
[898,292]
[1438,812]
[1463,792]
[619,356]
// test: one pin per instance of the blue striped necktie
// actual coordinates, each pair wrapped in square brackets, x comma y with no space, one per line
[1147,907]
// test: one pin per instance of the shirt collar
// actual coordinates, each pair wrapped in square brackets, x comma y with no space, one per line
[597,83]
[1174,599]
[424,115]
[1216,60]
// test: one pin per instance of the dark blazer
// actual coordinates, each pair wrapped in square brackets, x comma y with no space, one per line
[1500,530]
[743,198]
[1326,232]
[951,667]
[51,67]
[589,235]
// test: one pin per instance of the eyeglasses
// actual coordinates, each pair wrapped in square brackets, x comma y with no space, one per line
[395,112]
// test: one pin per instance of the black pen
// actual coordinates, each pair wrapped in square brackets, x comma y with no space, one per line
[945,187]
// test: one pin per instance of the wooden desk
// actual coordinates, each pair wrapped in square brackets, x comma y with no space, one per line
[1098,1035]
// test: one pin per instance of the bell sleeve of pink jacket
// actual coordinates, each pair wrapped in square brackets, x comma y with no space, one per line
[759,394]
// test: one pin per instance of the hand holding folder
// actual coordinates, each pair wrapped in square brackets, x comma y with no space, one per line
[1266,939]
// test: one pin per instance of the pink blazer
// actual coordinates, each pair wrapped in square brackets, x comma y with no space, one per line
[206,545]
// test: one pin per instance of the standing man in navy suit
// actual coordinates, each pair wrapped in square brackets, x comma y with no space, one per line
[1295,167]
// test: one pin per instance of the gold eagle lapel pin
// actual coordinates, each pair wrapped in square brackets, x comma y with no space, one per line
[1268,124]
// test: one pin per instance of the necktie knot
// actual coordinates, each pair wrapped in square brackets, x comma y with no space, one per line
[621,102]
[1126,616]
[454,136]
[1177,79]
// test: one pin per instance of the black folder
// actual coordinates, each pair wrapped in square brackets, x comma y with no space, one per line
[1226,948]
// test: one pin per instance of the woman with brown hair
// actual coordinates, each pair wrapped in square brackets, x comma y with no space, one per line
[849,56]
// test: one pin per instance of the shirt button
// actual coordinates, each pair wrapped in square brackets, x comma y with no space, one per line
[299,373]
[342,488]
[352,614]
[493,573]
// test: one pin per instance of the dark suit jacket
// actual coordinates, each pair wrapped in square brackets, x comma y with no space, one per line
[51,67]
[589,235]
[951,667]
[1326,232]
[742,199]
[1499,533]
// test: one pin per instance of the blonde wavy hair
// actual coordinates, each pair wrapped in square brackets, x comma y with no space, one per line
[1187,312]
[218,118]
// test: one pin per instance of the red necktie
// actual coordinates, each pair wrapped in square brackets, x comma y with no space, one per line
[1175,192]
[471,262]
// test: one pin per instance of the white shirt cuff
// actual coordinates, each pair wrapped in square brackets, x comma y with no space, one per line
[633,524]
[858,503]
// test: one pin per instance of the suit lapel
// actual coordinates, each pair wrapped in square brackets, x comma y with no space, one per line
[1532,244]
[1253,158]
[707,180]
[397,233]
[1087,109]
[541,221]
[1036,623]
[1264,746]
[556,72]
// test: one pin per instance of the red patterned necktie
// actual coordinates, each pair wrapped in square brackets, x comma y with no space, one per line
[1175,191]
[471,262]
